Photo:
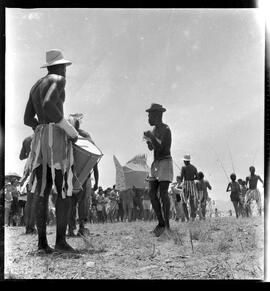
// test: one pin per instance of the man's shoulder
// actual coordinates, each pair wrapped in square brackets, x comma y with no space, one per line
[54,78]
[162,126]
[165,126]
[60,81]
[192,166]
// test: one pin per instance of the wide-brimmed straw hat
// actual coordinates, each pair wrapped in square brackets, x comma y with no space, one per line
[156,107]
[186,158]
[55,57]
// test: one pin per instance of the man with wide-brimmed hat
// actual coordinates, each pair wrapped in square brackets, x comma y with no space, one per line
[189,174]
[51,156]
[161,174]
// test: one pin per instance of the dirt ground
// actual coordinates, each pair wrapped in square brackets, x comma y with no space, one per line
[218,248]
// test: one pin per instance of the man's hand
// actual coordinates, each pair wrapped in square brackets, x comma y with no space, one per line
[150,146]
[73,139]
[148,134]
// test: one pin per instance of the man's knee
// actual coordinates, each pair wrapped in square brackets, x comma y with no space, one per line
[153,188]
[163,187]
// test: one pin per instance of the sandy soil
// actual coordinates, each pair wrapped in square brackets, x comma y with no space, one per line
[220,248]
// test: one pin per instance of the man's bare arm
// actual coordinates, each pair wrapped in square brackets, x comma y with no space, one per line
[23,154]
[208,186]
[96,176]
[29,115]
[182,175]
[259,178]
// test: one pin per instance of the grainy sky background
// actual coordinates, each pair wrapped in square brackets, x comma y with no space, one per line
[205,66]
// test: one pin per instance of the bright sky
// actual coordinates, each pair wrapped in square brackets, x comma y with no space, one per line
[205,66]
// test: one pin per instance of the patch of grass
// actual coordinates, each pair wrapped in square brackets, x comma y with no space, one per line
[217,250]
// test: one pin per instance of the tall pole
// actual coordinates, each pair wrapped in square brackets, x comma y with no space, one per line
[231,158]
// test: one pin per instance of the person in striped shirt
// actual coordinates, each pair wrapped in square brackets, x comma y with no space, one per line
[188,175]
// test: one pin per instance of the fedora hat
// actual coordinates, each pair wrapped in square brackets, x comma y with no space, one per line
[55,57]
[156,107]
[186,158]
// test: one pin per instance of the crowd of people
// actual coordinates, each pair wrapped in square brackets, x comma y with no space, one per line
[15,202]
[245,196]
[111,205]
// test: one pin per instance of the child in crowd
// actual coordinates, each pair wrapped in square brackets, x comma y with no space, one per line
[234,187]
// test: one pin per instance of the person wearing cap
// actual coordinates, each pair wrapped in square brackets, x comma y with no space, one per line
[51,156]
[161,175]
[189,174]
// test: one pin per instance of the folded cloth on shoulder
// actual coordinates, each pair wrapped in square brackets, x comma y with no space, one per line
[68,128]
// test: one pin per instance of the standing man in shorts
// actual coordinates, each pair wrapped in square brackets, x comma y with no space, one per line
[159,140]
[51,156]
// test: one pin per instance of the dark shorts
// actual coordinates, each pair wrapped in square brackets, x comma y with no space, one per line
[235,197]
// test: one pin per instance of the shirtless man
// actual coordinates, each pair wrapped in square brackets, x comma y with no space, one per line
[253,193]
[202,186]
[51,156]
[161,176]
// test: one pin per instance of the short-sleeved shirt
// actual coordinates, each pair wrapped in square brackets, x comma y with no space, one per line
[188,173]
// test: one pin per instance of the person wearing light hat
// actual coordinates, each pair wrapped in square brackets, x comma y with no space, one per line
[189,174]
[51,156]
[159,140]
